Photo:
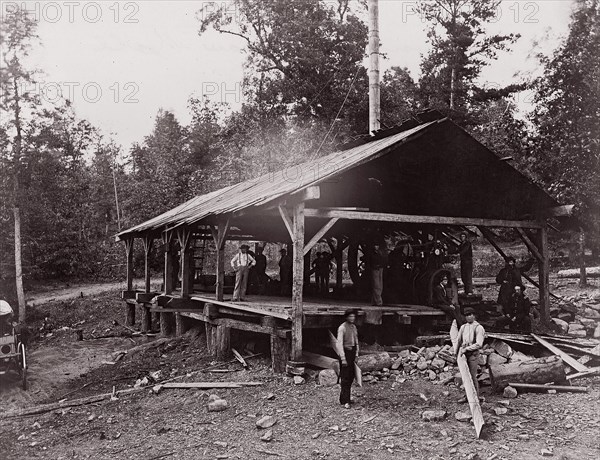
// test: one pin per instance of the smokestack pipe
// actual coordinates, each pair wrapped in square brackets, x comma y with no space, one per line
[374,92]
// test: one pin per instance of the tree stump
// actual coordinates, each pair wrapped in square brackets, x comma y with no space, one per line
[542,370]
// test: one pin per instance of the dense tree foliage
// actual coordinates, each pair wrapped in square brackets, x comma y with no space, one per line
[305,91]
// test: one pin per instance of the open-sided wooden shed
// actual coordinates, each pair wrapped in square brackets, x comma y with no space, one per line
[428,171]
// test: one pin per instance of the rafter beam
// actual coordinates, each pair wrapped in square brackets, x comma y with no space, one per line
[530,244]
[408,218]
[320,234]
[287,220]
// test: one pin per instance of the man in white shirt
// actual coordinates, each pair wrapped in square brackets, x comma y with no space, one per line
[347,350]
[469,342]
[241,263]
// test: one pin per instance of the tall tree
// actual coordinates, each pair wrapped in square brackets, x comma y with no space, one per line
[566,151]
[461,47]
[17,34]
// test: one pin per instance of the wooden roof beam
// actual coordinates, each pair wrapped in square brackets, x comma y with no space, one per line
[408,218]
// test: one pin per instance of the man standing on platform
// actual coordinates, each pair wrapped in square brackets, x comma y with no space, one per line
[285,272]
[465,249]
[241,263]
[469,342]
[261,270]
[347,350]
[376,262]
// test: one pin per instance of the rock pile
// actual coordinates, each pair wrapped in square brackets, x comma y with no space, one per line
[578,316]
[432,363]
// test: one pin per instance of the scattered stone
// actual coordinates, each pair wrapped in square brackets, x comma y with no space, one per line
[328,378]
[597,332]
[213,397]
[546,453]
[299,380]
[564,326]
[220,443]
[434,415]
[316,435]
[504,402]
[579,333]
[216,405]
[268,436]
[270,396]
[422,365]
[91,418]
[156,389]
[36,426]
[445,377]
[397,364]
[334,428]
[510,392]
[500,410]
[432,375]
[438,363]
[266,422]
[462,416]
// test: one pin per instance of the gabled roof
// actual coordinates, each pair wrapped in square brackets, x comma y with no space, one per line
[269,187]
[452,144]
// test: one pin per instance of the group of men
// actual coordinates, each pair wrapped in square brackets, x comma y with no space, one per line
[322,268]
[249,266]
[467,337]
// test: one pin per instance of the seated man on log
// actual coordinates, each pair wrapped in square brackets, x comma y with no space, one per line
[347,350]
[442,301]
[516,314]
[241,263]
[469,342]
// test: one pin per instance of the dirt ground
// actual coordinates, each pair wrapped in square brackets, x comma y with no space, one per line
[385,422]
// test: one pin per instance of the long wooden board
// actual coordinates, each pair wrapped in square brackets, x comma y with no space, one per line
[472,395]
[565,357]
[245,307]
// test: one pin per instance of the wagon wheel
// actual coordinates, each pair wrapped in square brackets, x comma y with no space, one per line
[22,365]
[356,267]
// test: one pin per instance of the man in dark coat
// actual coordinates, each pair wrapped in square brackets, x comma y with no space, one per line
[285,272]
[442,300]
[508,278]
[516,315]
[465,249]
[260,269]
[377,260]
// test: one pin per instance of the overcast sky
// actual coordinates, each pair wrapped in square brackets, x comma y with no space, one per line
[121,61]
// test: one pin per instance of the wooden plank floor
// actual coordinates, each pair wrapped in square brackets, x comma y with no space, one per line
[280,307]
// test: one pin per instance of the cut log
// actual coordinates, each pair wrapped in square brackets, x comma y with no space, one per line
[209,385]
[565,357]
[62,405]
[532,386]
[374,361]
[542,370]
[324,362]
[471,393]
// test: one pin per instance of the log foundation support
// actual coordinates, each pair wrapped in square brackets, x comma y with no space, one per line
[181,325]
[146,317]
[130,314]
[223,345]
[166,324]
[211,338]
[280,352]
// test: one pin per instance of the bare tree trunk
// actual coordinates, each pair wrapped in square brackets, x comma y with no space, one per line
[582,270]
[19,265]
[16,211]
[452,87]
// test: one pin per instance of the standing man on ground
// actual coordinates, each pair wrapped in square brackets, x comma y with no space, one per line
[465,249]
[241,264]
[347,350]
[469,342]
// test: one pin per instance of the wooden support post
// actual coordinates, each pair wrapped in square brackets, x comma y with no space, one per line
[166,324]
[129,252]
[154,321]
[211,311]
[130,314]
[280,345]
[147,242]
[223,344]
[169,284]
[146,318]
[544,275]
[181,324]
[298,281]
[184,237]
[220,236]
[530,245]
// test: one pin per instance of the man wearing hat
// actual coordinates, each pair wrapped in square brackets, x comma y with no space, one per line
[241,263]
[465,249]
[347,350]
[468,342]
[516,315]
